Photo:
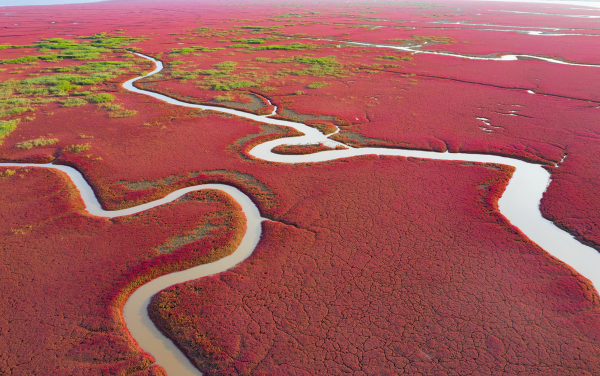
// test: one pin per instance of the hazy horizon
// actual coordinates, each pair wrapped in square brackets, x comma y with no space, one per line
[4,3]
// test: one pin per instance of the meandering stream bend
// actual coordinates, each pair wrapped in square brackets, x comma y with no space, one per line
[519,204]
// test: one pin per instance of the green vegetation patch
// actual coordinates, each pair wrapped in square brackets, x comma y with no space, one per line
[189,50]
[7,173]
[7,126]
[405,57]
[101,98]
[74,102]
[62,83]
[103,66]
[249,40]
[295,46]
[59,83]
[224,69]
[14,111]
[117,111]
[260,28]
[77,148]
[122,113]
[70,49]
[224,98]
[226,65]
[318,66]
[231,85]
[36,143]
[317,85]
[104,40]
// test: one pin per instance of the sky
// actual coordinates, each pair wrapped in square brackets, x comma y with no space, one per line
[587,3]
[43,2]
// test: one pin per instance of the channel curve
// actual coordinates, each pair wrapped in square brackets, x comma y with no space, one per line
[135,311]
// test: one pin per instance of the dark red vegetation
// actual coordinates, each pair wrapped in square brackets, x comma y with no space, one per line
[66,274]
[382,267]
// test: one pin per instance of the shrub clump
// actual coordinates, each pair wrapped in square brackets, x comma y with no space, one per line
[122,113]
[77,148]
[101,98]
[317,85]
[7,173]
[231,85]
[37,142]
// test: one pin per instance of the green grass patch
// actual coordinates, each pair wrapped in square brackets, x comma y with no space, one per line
[77,148]
[70,49]
[36,143]
[189,50]
[122,113]
[260,28]
[74,102]
[7,173]
[116,110]
[231,85]
[111,106]
[101,98]
[223,98]
[7,126]
[317,85]
[406,57]
[67,82]
[103,66]
[184,75]
[318,66]
[226,65]
[249,40]
[104,40]
[212,72]
[295,46]
[14,111]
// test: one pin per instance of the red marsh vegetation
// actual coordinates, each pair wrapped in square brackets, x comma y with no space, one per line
[415,268]
[66,274]
[352,281]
